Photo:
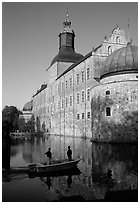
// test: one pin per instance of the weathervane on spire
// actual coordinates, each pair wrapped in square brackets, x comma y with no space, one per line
[67,22]
[67,14]
[128,32]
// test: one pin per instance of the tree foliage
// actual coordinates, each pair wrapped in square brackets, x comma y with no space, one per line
[10,117]
[21,124]
[38,124]
[43,127]
[31,124]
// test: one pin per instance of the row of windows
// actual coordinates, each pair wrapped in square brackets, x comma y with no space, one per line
[66,102]
[70,81]
[82,78]
[83,96]
[108,111]
[83,115]
[78,99]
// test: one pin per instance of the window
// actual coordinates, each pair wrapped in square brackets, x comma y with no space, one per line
[70,82]
[108,111]
[107,92]
[78,116]
[77,79]
[83,115]
[66,85]
[66,102]
[58,104]
[82,96]
[62,103]
[78,98]
[58,88]
[62,87]
[109,50]
[53,98]
[88,115]
[87,73]
[117,40]
[70,100]
[82,76]
[88,95]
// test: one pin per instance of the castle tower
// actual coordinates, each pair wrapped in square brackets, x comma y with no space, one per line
[67,55]
[66,37]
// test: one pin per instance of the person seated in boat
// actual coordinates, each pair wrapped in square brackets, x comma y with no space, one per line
[49,155]
[69,154]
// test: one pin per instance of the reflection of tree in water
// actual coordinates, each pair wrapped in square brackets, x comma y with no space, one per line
[6,153]
[33,150]
[28,157]
[69,181]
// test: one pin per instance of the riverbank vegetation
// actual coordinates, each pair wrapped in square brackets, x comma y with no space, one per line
[11,122]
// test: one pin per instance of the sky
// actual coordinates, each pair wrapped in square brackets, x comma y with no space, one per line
[30,39]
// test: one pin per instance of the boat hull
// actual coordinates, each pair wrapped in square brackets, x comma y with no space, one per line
[57,167]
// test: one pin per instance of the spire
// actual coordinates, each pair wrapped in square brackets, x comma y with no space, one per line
[128,34]
[67,22]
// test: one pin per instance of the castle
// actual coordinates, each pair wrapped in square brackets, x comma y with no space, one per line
[93,96]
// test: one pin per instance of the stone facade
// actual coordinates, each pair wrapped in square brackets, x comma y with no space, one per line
[114,103]
[122,99]
[65,104]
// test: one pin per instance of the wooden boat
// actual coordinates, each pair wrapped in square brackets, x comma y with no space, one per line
[25,170]
[56,166]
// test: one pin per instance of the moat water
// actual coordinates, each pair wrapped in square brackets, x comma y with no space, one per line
[91,184]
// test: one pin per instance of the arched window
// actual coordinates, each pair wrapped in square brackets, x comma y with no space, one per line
[117,40]
[107,92]
[109,50]
[108,111]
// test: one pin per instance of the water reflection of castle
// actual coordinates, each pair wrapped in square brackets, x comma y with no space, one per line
[122,160]
[93,95]
[33,150]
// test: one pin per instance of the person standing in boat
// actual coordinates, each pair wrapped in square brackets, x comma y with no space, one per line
[69,154]
[49,155]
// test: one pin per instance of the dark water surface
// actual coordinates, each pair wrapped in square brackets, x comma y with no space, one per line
[91,185]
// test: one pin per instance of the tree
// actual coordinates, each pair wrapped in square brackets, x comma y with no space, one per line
[10,116]
[38,124]
[21,124]
[31,124]
[43,126]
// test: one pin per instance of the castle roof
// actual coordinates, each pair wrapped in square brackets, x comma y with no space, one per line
[28,106]
[66,54]
[43,86]
[75,64]
[66,44]
[123,59]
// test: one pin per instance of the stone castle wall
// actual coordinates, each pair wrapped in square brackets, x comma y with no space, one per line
[122,123]
[59,108]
